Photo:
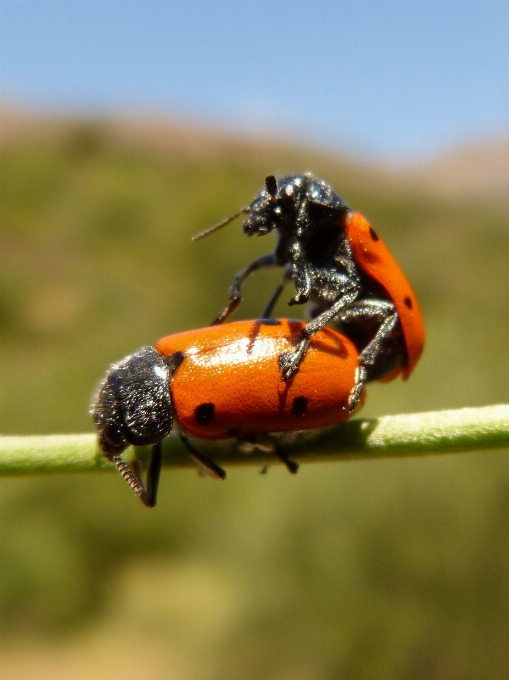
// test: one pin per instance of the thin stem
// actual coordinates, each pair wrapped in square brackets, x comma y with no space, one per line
[469,429]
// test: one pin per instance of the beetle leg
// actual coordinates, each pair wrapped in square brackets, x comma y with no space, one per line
[291,465]
[235,295]
[213,468]
[248,444]
[369,355]
[289,361]
[153,474]
[302,279]
[301,273]
[355,394]
[285,279]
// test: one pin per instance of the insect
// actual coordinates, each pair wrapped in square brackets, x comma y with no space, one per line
[216,383]
[339,264]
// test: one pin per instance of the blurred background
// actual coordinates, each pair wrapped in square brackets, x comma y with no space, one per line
[126,127]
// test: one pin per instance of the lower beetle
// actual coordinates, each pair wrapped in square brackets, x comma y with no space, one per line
[221,382]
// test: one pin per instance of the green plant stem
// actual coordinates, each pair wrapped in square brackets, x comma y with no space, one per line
[469,429]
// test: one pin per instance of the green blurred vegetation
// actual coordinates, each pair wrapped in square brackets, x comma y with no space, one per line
[362,570]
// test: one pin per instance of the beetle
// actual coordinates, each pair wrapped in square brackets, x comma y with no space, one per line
[220,382]
[339,264]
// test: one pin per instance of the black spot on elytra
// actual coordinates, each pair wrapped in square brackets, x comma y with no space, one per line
[373,234]
[408,302]
[204,414]
[299,406]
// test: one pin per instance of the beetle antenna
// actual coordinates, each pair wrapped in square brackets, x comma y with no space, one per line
[215,227]
[271,185]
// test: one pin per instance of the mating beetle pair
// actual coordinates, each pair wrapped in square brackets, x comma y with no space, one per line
[248,378]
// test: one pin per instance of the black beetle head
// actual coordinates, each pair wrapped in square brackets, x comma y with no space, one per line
[275,205]
[133,402]
[293,206]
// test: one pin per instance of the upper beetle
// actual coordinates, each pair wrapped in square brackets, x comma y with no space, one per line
[217,383]
[339,264]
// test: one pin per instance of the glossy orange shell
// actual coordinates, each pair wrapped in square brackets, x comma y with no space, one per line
[374,258]
[235,367]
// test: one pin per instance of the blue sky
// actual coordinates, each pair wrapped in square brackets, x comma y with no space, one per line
[400,79]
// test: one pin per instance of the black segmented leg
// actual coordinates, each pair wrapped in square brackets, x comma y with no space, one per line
[291,465]
[236,285]
[249,444]
[212,467]
[355,394]
[289,361]
[368,357]
[301,275]
[386,312]
[370,353]
[269,308]
[153,474]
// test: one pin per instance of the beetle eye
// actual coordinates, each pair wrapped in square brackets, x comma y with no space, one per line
[112,435]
